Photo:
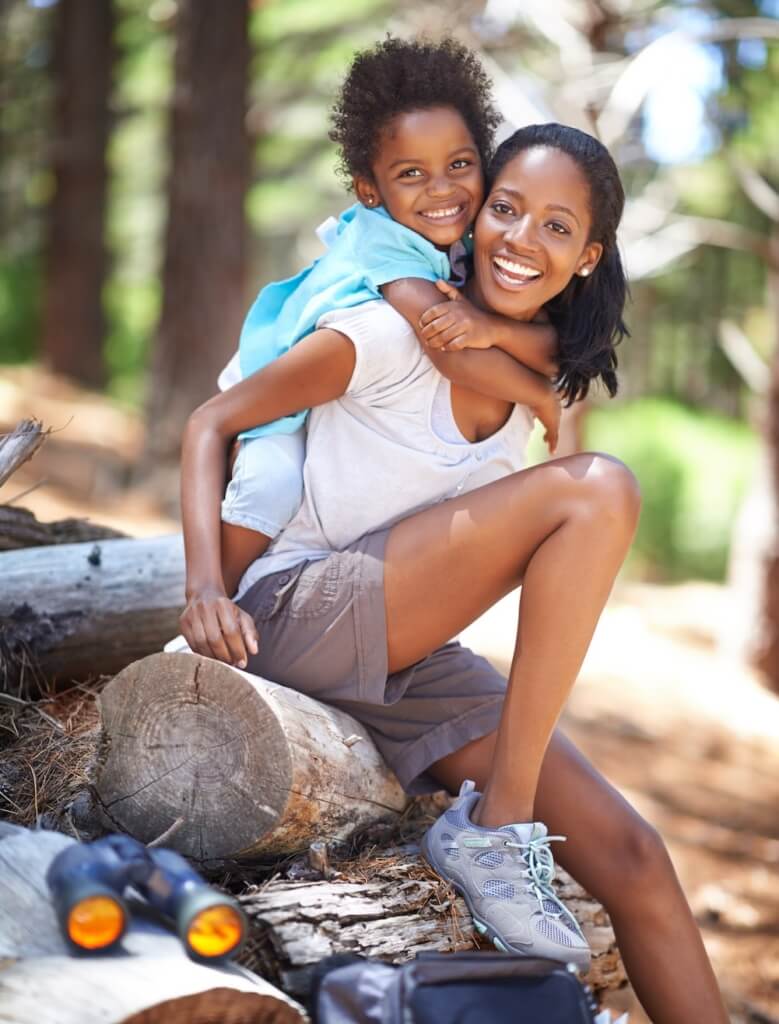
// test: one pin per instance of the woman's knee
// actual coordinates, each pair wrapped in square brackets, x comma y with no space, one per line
[609,490]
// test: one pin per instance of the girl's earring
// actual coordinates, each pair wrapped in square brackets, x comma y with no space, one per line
[584,272]
[371,200]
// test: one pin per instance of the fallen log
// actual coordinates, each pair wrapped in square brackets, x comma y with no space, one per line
[390,906]
[149,976]
[19,528]
[79,610]
[230,766]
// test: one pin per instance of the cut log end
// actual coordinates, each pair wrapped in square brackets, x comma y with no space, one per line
[230,766]
[188,741]
[219,1004]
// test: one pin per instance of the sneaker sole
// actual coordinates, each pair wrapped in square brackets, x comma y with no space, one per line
[481,926]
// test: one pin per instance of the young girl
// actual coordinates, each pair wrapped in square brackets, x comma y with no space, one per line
[415,124]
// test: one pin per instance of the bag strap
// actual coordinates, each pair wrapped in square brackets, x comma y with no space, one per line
[440,968]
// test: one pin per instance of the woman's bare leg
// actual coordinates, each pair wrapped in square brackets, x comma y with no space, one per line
[620,859]
[561,529]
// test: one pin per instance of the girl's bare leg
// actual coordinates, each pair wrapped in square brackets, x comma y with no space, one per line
[561,529]
[240,547]
[620,859]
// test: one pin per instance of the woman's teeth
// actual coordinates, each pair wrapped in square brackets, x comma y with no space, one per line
[515,271]
[451,211]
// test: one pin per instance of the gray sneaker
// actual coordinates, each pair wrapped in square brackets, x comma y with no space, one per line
[505,876]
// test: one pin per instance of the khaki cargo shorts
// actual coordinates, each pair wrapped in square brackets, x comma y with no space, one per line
[323,632]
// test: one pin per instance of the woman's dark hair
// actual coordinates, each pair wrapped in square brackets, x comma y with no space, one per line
[397,76]
[587,314]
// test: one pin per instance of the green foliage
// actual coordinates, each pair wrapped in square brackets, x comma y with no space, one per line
[693,468]
[19,307]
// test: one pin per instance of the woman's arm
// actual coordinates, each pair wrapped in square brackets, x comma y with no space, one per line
[316,370]
[489,371]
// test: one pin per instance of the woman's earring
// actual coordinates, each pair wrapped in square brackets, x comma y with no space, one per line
[371,200]
[584,272]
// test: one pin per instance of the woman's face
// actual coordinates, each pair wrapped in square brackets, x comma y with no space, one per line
[531,234]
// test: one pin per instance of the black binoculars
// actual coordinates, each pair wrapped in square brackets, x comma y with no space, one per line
[88,883]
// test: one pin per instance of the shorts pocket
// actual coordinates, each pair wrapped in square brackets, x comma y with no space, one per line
[269,595]
[316,589]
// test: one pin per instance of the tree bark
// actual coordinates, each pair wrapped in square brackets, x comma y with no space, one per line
[390,906]
[230,765]
[79,610]
[203,274]
[73,321]
[149,976]
[19,446]
[19,528]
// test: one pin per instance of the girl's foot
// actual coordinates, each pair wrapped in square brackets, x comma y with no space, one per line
[505,876]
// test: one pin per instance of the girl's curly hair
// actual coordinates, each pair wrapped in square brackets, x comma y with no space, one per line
[397,76]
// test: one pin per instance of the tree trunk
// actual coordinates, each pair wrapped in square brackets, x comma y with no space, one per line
[767,659]
[230,765]
[73,322]
[390,906]
[149,976]
[79,610]
[203,274]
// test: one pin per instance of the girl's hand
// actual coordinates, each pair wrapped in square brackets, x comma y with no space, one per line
[456,324]
[216,627]
[548,411]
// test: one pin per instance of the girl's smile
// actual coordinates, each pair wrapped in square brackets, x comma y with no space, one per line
[427,174]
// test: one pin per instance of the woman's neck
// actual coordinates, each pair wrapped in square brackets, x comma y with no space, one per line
[473,292]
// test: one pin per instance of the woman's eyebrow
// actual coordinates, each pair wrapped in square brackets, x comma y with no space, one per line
[550,206]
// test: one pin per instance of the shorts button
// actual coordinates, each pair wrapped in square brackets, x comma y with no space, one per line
[284,578]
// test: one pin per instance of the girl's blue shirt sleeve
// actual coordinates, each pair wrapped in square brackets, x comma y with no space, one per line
[369,250]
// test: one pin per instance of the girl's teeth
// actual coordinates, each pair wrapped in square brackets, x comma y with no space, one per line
[436,214]
[516,269]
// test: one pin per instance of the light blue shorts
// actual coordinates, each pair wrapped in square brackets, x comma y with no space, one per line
[267,482]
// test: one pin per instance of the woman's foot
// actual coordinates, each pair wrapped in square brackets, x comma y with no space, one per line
[505,876]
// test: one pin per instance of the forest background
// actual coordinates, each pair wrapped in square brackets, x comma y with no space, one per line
[148,189]
[161,160]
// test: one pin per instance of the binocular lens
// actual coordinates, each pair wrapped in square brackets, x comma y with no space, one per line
[215,931]
[96,922]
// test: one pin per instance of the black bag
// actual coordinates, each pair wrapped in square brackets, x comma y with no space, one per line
[449,988]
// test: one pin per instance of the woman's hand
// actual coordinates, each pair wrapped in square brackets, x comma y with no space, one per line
[456,324]
[216,627]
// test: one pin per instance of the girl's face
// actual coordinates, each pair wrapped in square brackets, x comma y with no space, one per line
[532,234]
[427,174]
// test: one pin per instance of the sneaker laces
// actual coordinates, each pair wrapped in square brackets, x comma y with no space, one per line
[540,869]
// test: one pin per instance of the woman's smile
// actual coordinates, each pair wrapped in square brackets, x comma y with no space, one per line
[513,274]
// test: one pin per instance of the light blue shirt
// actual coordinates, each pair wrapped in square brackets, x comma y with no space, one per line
[368,249]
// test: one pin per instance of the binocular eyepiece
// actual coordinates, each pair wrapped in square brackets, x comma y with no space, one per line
[88,882]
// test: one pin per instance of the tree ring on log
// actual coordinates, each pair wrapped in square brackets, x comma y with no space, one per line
[199,742]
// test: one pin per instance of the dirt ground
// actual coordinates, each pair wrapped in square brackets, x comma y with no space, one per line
[663,707]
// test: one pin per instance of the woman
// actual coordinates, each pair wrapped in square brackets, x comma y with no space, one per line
[409,532]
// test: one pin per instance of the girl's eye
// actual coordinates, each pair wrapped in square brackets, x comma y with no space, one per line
[410,172]
[500,207]
[458,165]
[558,228]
